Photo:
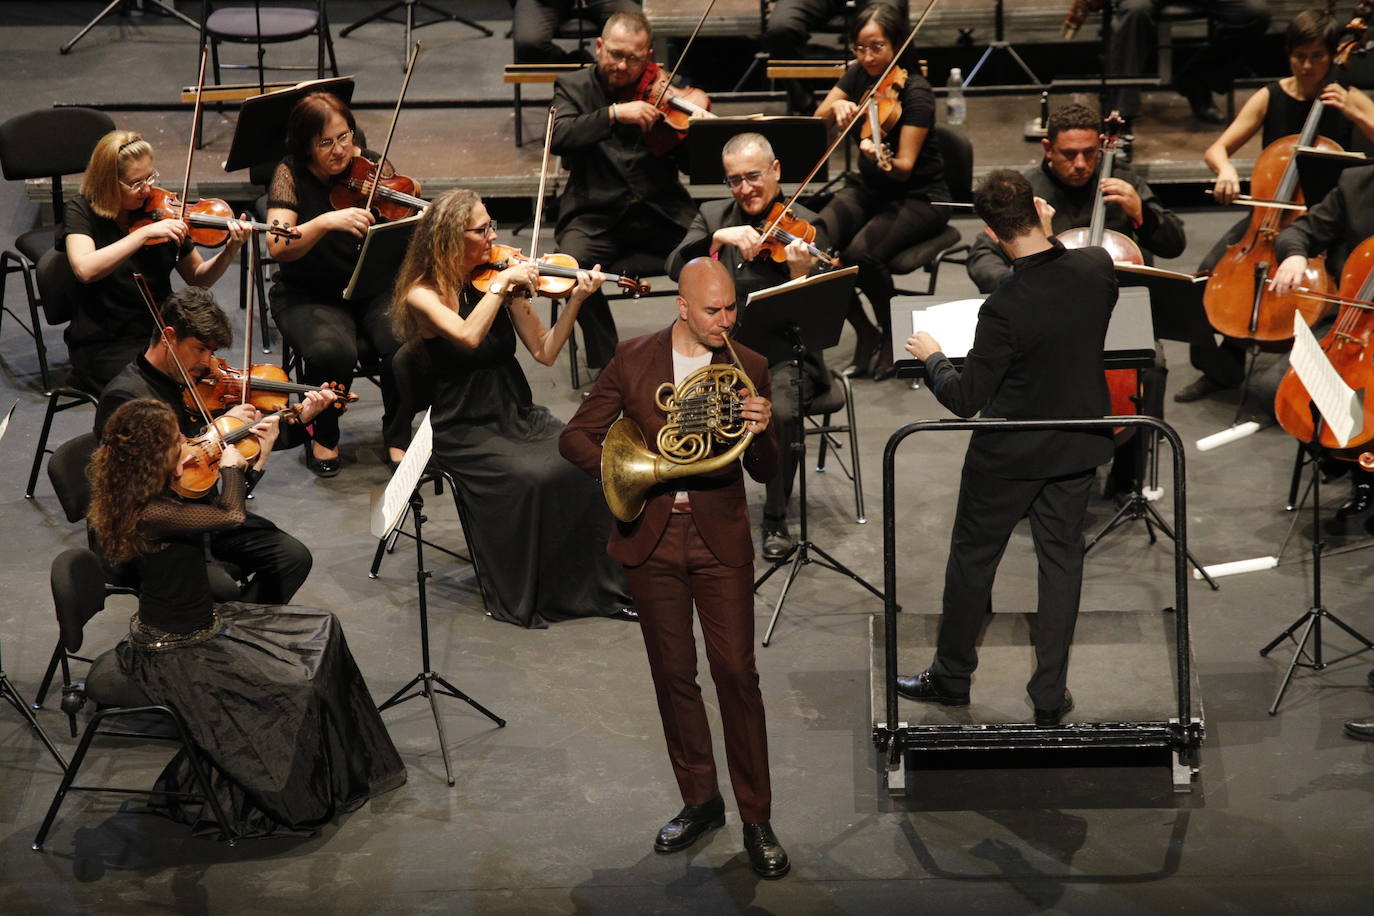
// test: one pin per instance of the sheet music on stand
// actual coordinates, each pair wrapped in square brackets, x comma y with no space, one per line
[815,304]
[384,248]
[951,323]
[1341,406]
[390,509]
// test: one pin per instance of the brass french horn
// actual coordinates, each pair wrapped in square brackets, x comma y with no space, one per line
[703,414]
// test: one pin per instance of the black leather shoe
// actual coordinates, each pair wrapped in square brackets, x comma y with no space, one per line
[1048,717]
[922,687]
[1362,729]
[776,543]
[766,854]
[1200,101]
[1197,390]
[322,467]
[691,822]
[628,614]
[1361,501]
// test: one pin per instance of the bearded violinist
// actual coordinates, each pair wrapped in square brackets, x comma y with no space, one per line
[1277,110]
[620,199]
[195,327]
[110,325]
[728,230]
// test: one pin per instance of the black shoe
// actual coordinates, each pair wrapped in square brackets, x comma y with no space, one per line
[322,467]
[1200,101]
[691,822]
[1361,728]
[1048,717]
[628,614]
[922,687]
[1361,501]
[777,543]
[766,854]
[1197,390]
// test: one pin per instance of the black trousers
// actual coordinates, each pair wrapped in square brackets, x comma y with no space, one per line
[95,364]
[642,231]
[1237,24]
[878,228]
[989,508]
[277,562]
[814,381]
[534,22]
[789,29]
[1223,362]
[326,334]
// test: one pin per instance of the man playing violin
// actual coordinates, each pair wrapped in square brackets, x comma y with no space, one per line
[729,230]
[1065,180]
[195,327]
[620,199]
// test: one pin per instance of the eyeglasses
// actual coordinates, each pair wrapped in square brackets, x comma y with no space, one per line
[142,183]
[878,47]
[734,181]
[488,227]
[621,57]
[342,139]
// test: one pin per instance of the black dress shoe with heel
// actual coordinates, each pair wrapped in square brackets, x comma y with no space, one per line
[1050,717]
[923,688]
[766,855]
[691,822]
[322,467]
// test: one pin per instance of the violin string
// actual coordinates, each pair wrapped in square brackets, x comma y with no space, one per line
[844,131]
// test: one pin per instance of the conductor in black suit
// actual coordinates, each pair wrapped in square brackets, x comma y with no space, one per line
[620,198]
[1037,354]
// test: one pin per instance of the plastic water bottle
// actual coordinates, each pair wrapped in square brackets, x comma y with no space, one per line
[955,107]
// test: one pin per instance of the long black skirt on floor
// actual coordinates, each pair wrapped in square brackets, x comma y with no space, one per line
[279,710]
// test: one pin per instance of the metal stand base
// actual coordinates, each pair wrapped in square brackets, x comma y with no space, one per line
[1311,624]
[1138,508]
[797,557]
[409,22]
[1002,46]
[169,10]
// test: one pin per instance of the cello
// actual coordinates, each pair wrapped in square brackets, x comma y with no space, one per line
[1122,384]
[1238,300]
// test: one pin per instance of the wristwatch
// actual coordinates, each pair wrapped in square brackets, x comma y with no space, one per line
[498,288]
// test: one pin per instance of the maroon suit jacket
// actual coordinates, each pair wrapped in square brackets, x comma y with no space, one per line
[626,386]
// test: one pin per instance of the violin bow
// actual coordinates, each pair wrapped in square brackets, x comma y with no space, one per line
[251,254]
[195,133]
[683,56]
[391,131]
[539,201]
[149,301]
[844,131]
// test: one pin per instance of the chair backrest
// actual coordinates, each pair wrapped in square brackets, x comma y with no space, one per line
[78,593]
[50,143]
[58,288]
[67,471]
[957,153]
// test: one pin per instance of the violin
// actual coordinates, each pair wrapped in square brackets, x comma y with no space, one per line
[268,387]
[678,106]
[396,196]
[200,456]
[1122,384]
[1348,346]
[788,226]
[1077,15]
[557,273]
[208,219]
[884,110]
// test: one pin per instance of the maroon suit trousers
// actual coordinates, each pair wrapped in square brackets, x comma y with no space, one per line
[682,571]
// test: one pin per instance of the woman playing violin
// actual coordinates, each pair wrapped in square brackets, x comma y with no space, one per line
[1277,110]
[110,326]
[270,694]
[883,211]
[541,525]
[307,297]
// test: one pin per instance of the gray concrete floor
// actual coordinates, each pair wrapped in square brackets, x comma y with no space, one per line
[556,812]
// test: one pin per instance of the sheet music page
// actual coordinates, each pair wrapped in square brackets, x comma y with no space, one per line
[1339,404]
[388,511]
[950,323]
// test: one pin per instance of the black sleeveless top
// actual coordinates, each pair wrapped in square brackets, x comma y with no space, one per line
[1286,115]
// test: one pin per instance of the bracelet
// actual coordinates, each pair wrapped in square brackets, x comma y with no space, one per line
[613,118]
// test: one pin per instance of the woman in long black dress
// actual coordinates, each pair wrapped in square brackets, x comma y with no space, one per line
[307,297]
[540,525]
[271,694]
[884,210]
[110,325]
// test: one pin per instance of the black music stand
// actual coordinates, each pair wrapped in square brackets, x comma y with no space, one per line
[409,22]
[804,139]
[388,515]
[166,8]
[260,131]
[379,259]
[786,323]
[1319,170]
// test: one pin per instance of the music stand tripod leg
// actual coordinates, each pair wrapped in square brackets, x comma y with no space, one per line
[15,700]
